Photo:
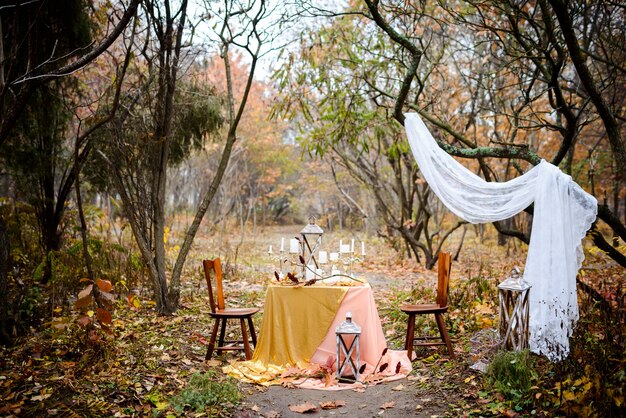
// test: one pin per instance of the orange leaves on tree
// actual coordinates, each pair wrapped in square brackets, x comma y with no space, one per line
[85,292]
[104,285]
[84,302]
[85,298]
[104,316]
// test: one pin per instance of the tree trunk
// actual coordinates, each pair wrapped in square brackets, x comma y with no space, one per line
[5,337]
[586,78]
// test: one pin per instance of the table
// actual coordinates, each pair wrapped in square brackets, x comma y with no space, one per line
[298,328]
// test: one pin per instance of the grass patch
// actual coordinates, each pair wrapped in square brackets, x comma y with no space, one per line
[510,373]
[208,392]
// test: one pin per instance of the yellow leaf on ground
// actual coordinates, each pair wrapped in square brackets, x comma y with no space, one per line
[469,379]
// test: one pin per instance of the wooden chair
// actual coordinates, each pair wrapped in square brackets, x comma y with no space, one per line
[438,309]
[221,314]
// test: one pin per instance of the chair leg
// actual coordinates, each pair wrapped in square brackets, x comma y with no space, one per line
[246,341]
[252,333]
[222,335]
[209,351]
[410,336]
[444,333]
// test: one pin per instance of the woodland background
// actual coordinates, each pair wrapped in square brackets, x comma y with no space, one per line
[139,136]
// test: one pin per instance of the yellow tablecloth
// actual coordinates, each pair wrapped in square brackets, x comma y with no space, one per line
[295,322]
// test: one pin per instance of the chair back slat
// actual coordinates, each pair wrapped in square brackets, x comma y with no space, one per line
[216,300]
[217,266]
[443,272]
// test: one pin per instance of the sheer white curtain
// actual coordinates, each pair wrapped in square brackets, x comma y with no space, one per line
[563,213]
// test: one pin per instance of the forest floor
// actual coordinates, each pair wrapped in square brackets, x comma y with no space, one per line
[57,370]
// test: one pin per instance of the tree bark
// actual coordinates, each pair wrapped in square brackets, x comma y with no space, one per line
[5,337]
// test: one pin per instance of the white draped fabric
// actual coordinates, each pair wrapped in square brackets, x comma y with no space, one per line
[563,213]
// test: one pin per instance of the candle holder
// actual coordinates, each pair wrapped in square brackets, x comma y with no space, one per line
[305,255]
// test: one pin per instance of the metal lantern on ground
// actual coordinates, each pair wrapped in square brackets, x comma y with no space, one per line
[311,242]
[513,313]
[346,331]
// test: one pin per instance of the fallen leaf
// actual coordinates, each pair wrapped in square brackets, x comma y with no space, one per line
[399,387]
[41,397]
[303,408]
[332,404]
[255,408]
[272,414]
[388,405]
[213,363]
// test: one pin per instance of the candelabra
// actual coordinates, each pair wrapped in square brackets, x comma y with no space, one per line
[305,254]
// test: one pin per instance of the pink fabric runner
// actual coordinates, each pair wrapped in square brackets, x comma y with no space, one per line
[359,300]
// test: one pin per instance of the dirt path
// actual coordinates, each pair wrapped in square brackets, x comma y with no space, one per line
[394,399]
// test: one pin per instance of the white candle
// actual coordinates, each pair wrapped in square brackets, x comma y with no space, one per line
[323,257]
[319,272]
[309,271]
[340,245]
[294,248]
[362,248]
[334,271]
[334,256]
[352,247]
[270,250]
[282,244]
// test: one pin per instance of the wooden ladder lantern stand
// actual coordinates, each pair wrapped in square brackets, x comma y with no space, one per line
[513,313]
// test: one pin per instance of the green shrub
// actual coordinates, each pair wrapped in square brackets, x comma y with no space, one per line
[510,373]
[208,392]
